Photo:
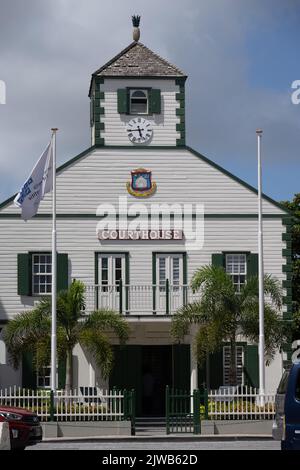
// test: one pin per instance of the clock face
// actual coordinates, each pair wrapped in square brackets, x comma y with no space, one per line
[139,130]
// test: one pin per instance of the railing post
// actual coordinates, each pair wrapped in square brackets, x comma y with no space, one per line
[120,296]
[127,299]
[52,408]
[167,410]
[154,298]
[125,407]
[133,412]
[205,403]
[167,297]
[197,418]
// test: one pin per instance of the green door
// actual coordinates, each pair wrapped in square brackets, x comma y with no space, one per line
[181,367]
[127,371]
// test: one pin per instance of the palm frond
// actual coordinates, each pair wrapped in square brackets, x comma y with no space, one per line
[273,327]
[98,345]
[23,333]
[184,317]
[104,321]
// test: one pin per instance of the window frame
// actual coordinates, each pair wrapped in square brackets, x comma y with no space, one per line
[126,255]
[147,92]
[44,377]
[40,253]
[244,350]
[245,274]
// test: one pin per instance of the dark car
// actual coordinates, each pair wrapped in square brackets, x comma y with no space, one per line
[287,419]
[24,426]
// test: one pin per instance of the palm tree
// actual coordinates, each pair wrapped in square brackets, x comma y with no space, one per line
[222,313]
[30,332]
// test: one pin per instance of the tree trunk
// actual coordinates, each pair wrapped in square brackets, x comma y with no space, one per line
[232,370]
[69,370]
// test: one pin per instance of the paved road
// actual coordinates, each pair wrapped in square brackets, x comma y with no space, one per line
[167,445]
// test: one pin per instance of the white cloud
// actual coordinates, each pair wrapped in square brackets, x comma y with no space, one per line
[48,51]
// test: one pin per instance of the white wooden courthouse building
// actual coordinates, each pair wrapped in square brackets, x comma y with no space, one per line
[139,159]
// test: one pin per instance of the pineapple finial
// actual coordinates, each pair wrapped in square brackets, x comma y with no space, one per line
[136,30]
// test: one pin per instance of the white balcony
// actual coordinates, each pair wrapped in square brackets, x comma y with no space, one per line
[139,299]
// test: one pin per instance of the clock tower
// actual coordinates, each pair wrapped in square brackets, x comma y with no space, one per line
[137,99]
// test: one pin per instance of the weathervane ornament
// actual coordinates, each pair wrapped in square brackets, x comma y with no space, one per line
[141,184]
[136,30]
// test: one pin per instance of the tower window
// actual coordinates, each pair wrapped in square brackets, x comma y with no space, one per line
[138,101]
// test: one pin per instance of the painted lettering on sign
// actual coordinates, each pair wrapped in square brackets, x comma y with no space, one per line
[140,234]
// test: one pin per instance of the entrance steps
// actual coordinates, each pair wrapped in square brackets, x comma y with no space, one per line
[150,425]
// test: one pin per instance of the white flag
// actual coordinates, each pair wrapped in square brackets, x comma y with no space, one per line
[37,185]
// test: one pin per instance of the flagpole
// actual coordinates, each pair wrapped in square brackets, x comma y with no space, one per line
[260,275]
[54,273]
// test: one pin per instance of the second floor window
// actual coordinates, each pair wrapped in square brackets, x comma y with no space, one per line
[41,274]
[236,267]
[138,102]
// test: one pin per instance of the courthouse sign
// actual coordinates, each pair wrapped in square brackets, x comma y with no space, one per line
[140,234]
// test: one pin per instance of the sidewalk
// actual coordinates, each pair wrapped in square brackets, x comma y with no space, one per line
[161,437]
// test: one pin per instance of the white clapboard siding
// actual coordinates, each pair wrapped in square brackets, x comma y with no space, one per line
[181,177]
[77,237]
[164,124]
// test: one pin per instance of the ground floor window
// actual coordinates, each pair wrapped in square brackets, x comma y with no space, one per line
[43,377]
[239,360]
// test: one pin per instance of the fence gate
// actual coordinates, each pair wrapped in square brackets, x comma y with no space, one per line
[182,411]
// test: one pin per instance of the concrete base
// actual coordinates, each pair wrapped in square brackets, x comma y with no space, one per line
[237,427]
[4,436]
[86,429]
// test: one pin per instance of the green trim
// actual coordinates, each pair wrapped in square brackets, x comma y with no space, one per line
[174,148]
[287,268]
[180,97]
[237,179]
[287,237]
[287,284]
[98,96]
[127,281]
[180,112]
[96,271]
[154,281]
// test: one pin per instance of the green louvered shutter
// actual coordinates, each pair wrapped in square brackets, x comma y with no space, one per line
[216,369]
[24,274]
[28,372]
[181,366]
[154,101]
[252,265]
[122,101]
[62,373]
[217,259]
[251,366]
[62,272]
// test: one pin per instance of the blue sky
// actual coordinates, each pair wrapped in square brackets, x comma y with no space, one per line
[241,58]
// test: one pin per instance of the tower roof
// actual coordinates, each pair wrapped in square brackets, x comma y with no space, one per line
[138,61]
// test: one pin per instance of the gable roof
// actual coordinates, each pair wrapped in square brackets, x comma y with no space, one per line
[137,59]
[286,211]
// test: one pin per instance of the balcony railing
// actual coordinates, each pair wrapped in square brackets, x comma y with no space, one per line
[139,299]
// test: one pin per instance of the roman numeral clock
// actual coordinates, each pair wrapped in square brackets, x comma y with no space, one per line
[139,130]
